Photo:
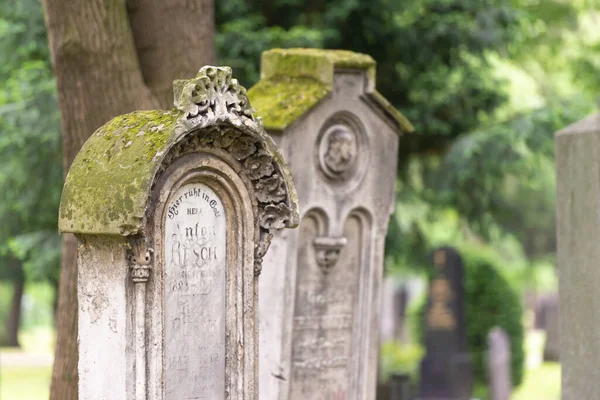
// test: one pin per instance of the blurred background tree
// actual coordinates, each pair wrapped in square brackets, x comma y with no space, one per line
[30,171]
[486,85]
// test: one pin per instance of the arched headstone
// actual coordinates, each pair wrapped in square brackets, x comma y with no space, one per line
[173,213]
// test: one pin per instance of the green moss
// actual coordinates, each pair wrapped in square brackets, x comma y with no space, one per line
[281,101]
[294,80]
[106,191]
[404,123]
[313,63]
[106,186]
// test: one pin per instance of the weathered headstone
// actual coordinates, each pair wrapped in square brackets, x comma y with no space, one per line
[551,317]
[320,296]
[389,312]
[578,252]
[400,387]
[446,368]
[499,364]
[394,300]
[173,212]
[401,304]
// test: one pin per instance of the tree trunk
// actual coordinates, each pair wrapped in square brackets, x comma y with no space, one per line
[14,317]
[174,39]
[105,65]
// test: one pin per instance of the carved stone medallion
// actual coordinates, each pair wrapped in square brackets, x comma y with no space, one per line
[338,151]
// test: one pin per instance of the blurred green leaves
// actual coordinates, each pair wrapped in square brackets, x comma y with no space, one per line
[479,167]
[30,152]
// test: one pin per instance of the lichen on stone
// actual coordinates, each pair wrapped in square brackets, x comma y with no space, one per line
[293,81]
[312,63]
[283,100]
[108,186]
[95,198]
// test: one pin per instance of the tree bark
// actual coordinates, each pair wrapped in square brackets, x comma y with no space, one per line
[173,39]
[105,65]
[14,317]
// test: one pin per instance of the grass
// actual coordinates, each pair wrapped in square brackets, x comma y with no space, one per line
[25,383]
[541,383]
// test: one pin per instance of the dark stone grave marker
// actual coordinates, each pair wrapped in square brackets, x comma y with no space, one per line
[446,368]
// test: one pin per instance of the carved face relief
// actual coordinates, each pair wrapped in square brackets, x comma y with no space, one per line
[327,251]
[338,151]
[341,150]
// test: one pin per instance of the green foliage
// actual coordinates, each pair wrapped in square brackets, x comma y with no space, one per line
[30,171]
[400,358]
[431,54]
[437,62]
[495,184]
[490,301]
[501,178]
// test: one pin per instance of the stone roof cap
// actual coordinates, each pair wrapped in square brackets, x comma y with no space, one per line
[587,125]
[293,81]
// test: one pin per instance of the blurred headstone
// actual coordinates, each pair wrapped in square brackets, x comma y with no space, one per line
[446,368]
[393,311]
[499,361]
[389,318]
[171,232]
[540,313]
[578,253]
[401,304]
[321,289]
[400,387]
[551,316]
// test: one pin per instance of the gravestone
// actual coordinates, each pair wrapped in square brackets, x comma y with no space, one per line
[551,317]
[401,304]
[578,229]
[173,212]
[389,311]
[499,364]
[321,293]
[393,311]
[446,367]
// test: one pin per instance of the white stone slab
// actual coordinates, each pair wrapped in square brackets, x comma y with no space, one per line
[195,265]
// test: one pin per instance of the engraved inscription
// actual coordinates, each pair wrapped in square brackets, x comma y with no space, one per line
[195,264]
[323,318]
[440,316]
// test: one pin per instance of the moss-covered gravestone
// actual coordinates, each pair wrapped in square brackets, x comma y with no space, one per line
[320,295]
[173,212]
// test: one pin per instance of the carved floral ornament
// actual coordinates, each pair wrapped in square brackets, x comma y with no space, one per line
[218,114]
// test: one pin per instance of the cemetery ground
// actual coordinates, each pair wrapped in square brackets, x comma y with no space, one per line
[25,373]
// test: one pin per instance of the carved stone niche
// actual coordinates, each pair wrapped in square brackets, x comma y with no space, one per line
[173,212]
[319,316]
